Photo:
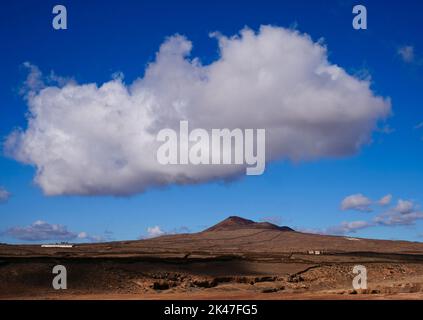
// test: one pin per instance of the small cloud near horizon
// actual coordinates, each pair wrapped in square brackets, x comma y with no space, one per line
[406,53]
[403,213]
[44,231]
[156,231]
[386,200]
[4,195]
[357,202]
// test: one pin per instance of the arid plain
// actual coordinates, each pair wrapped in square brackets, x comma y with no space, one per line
[235,259]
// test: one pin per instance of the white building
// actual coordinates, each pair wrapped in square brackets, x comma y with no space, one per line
[57,246]
[316,252]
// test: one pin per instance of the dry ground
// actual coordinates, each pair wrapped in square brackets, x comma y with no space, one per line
[232,260]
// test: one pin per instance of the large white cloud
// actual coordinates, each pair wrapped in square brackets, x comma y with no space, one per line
[88,139]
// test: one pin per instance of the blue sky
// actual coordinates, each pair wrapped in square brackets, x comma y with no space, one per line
[124,36]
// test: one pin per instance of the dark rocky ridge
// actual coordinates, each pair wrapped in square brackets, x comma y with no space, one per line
[235,222]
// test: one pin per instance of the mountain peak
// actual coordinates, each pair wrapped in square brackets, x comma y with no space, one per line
[235,223]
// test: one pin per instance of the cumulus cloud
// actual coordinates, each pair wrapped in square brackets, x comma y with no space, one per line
[386,200]
[4,195]
[356,202]
[404,206]
[345,227]
[405,212]
[157,231]
[348,227]
[362,203]
[84,236]
[406,53]
[392,218]
[41,230]
[44,231]
[154,232]
[90,139]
